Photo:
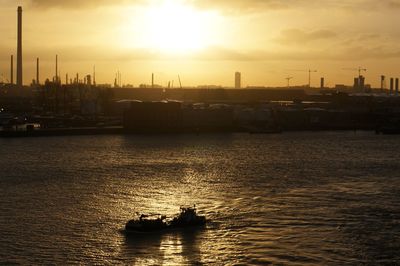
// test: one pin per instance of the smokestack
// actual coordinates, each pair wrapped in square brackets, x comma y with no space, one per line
[391,86]
[57,68]
[88,80]
[37,71]
[322,83]
[152,80]
[12,70]
[19,49]
[397,86]
[66,79]
[94,75]
[382,82]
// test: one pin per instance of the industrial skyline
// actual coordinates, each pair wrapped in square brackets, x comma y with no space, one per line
[211,64]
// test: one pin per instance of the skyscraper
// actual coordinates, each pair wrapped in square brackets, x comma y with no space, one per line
[238,80]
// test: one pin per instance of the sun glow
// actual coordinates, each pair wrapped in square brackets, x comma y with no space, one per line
[173,27]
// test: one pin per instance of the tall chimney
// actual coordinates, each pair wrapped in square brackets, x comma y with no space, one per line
[322,83]
[152,80]
[397,86]
[12,70]
[56,68]
[94,75]
[19,49]
[37,71]
[382,82]
[391,86]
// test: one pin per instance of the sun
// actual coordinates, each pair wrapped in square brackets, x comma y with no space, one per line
[173,27]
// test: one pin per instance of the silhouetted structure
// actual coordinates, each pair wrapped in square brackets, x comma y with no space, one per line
[359,84]
[211,118]
[383,82]
[37,71]
[174,117]
[153,117]
[19,49]
[56,76]
[238,80]
[89,80]
[391,86]
[12,70]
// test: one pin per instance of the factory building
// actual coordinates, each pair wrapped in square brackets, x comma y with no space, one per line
[153,117]
[173,117]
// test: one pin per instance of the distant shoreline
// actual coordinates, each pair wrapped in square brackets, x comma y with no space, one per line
[121,131]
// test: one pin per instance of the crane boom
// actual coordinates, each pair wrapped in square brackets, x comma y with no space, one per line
[359,69]
[180,83]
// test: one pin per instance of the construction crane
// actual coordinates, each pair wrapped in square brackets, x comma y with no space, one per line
[359,69]
[288,81]
[180,83]
[309,74]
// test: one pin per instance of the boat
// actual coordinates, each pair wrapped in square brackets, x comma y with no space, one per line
[187,217]
[147,223]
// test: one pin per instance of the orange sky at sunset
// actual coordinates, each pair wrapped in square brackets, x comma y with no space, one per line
[206,41]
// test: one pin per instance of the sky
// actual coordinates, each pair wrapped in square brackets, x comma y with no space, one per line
[205,41]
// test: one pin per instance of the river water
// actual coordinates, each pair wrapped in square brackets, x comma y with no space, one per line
[330,198]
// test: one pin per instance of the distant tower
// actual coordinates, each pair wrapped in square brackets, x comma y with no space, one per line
[356,83]
[391,86]
[361,83]
[19,49]
[383,80]
[56,68]
[94,75]
[322,83]
[88,80]
[397,86]
[12,70]
[152,80]
[37,71]
[238,80]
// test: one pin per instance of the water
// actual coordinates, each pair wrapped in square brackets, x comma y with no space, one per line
[328,198]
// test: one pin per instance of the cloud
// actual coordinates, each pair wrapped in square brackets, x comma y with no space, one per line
[232,6]
[267,5]
[393,4]
[299,37]
[245,5]
[275,4]
[77,3]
